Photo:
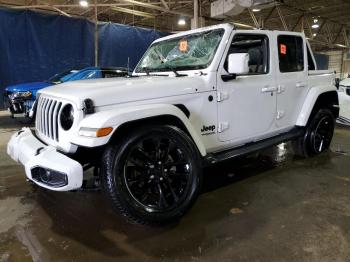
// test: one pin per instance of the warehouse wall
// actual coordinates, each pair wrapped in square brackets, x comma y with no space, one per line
[335,61]
[34,46]
[322,61]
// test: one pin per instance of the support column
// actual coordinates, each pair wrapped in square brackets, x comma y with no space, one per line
[96,34]
[195,14]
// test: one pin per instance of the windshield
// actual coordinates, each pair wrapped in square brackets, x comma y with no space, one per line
[194,51]
[62,77]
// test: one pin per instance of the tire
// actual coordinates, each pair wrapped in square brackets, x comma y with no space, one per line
[152,175]
[318,135]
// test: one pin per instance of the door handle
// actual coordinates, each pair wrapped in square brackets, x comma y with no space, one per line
[300,84]
[269,89]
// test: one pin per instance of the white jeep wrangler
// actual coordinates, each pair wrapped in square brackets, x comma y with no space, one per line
[194,99]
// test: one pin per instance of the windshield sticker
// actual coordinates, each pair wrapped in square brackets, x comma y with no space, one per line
[183,45]
[283,49]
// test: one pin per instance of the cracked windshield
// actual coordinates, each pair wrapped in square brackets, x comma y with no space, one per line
[195,51]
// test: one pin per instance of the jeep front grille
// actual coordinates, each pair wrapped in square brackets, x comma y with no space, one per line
[47,117]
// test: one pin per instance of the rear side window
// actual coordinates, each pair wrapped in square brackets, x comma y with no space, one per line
[290,53]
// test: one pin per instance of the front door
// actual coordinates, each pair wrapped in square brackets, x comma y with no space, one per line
[247,104]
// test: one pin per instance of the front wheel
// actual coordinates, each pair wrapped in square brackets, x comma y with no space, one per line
[152,175]
[318,135]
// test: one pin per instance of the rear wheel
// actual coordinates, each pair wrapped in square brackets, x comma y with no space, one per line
[153,175]
[318,135]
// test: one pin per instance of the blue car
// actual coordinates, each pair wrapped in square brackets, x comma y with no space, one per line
[21,97]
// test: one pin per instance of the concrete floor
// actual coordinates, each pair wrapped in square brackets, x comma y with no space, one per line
[268,207]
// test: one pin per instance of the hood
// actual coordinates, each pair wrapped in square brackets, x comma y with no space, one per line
[34,86]
[112,91]
[345,82]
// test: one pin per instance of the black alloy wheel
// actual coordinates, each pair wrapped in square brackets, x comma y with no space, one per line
[318,135]
[321,137]
[153,175]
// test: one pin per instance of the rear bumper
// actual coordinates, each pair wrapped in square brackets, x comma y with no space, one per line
[43,164]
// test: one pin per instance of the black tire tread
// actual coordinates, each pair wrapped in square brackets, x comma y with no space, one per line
[300,145]
[114,195]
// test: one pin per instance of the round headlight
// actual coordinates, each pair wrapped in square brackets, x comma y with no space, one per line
[67,117]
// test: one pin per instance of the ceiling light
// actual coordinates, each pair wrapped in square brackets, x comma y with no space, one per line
[314,26]
[315,20]
[340,45]
[181,21]
[256,10]
[84,3]
[314,34]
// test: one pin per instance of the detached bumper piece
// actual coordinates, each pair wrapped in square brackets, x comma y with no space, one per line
[43,164]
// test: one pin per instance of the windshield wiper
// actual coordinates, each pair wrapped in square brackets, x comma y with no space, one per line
[177,74]
[148,71]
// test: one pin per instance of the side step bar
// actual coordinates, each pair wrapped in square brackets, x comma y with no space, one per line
[252,147]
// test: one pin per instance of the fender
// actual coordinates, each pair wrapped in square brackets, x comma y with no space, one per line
[116,117]
[310,102]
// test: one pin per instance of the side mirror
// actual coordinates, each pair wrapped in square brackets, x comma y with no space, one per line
[337,83]
[237,65]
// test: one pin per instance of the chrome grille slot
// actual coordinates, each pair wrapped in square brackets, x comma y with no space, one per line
[348,91]
[47,117]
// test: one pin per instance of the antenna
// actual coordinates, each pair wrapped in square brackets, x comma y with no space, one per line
[128,66]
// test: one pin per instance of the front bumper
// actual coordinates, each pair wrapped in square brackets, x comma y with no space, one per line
[56,172]
[20,106]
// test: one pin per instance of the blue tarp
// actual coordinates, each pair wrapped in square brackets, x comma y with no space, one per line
[34,46]
[120,44]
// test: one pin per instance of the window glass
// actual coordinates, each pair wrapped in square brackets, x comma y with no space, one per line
[310,61]
[257,48]
[290,53]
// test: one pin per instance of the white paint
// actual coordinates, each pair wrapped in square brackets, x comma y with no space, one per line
[246,109]
[344,100]
[238,63]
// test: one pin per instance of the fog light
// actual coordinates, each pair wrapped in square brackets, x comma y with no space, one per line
[49,177]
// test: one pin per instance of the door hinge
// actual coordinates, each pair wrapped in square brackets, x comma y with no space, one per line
[223,126]
[280,114]
[222,96]
[280,89]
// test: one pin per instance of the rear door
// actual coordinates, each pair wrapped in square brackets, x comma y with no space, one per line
[291,77]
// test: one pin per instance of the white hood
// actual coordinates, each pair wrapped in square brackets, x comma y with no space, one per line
[345,82]
[113,91]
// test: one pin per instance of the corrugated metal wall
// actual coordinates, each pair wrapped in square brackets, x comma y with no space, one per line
[335,61]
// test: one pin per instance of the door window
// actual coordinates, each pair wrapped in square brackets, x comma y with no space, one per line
[257,48]
[290,53]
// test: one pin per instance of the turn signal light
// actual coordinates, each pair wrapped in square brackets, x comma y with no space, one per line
[104,131]
[95,132]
